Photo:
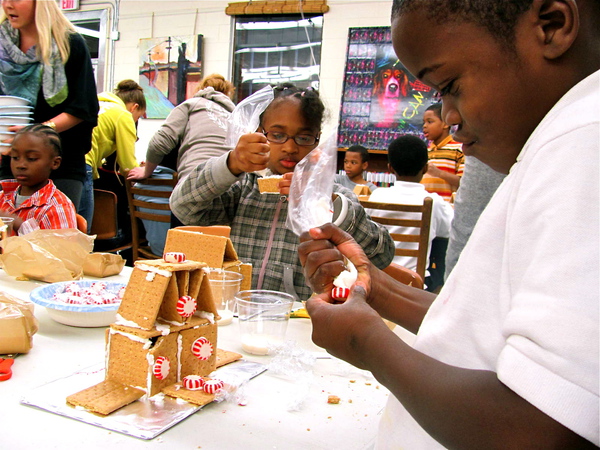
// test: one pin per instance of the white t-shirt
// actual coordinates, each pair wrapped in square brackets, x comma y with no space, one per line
[523,299]
[407,193]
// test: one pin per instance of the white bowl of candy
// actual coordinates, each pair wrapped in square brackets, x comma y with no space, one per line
[80,303]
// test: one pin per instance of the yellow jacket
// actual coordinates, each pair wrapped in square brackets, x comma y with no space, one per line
[115,132]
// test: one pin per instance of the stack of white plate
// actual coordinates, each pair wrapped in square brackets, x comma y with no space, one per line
[13,111]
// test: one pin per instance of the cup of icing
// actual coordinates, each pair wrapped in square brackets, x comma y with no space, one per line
[263,318]
[224,285]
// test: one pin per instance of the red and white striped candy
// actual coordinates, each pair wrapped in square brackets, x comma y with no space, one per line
[202,348]
[212,386]
[193,382]
[174,257]
[161,368]
[340,293]
[121,293]
[186,306]
[98,286]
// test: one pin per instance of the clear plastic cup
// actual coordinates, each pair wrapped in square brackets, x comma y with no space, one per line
[224,285]
[6,229]
[263,317]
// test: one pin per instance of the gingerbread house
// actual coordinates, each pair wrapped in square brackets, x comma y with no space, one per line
[165,333]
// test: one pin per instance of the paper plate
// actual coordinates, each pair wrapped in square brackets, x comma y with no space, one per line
[76,315]
[10,100]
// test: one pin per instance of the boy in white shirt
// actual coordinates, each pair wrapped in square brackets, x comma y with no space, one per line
[407,159]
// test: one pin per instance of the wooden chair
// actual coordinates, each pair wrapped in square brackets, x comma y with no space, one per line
[105,224]
[141,249]
[81,223]
[379,215]
[404,275]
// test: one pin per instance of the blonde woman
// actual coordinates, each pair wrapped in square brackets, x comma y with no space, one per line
[196,128]
[44,60]
[116,132]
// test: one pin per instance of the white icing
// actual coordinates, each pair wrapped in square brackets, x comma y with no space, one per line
[150,276]
[152,269]
[347,278]
[126,323]
[147,342]
[164,329]
[179,347]
[206,315]
[149,374]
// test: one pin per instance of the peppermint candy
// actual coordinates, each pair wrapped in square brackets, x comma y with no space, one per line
[161,368]
[193,382]
[174,257]
[98,286]
[186,306]
[202,348]
[340,293]
[212,386]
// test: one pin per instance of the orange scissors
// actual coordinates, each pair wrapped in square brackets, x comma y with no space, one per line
[5,368]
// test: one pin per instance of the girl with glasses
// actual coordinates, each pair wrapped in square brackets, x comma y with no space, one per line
[224,191]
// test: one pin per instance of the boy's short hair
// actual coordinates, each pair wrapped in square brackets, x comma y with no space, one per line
[364,153]
[50,136]
[407,155]
[499,18]
[436,108]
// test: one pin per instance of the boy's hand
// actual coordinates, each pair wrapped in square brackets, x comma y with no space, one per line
[250,154]
[322,251]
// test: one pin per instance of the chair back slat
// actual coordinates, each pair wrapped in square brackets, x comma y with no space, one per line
[140,249]
[423,225]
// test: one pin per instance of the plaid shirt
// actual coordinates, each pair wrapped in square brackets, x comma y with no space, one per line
[212,195]
[47,208]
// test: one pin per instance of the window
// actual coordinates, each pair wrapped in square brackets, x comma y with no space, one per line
[275,49]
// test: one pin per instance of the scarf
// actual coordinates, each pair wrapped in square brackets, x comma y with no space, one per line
[22,74]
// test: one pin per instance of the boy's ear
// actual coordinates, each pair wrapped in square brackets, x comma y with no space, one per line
[558,25]
[55,164]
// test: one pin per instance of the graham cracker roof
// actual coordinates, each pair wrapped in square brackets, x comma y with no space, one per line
[207,248]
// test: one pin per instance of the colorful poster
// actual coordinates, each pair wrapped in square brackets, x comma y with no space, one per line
[170,72]
[381,100]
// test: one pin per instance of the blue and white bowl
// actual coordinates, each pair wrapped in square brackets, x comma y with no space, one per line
[87,316]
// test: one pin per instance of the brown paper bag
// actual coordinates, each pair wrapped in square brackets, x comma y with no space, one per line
[17,324]
[102,265]
[47,255]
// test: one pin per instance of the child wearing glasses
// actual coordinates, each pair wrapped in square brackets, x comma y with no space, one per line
[224,191]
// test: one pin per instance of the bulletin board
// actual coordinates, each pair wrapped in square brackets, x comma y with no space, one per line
[381,100]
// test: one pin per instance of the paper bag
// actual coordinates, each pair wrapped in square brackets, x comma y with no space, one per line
[17,324]
[102,265]
[47,255]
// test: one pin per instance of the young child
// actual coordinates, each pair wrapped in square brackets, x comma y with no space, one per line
[356,161]
[446,159]
[407,159]
[31,198]
[224,191]
[507,355]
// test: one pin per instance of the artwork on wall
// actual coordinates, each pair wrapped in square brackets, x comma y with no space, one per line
[381,100]
[170,72]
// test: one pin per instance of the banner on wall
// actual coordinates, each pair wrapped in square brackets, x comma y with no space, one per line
[381,100]
[170,72]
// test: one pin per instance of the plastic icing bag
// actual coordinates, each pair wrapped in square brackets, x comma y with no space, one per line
[245,117]
[310,202]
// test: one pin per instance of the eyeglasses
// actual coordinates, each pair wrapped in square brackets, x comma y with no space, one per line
[281,138]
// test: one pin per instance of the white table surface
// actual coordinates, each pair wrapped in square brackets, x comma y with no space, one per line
[281,411]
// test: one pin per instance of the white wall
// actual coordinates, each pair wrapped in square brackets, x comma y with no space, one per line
[155,18]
